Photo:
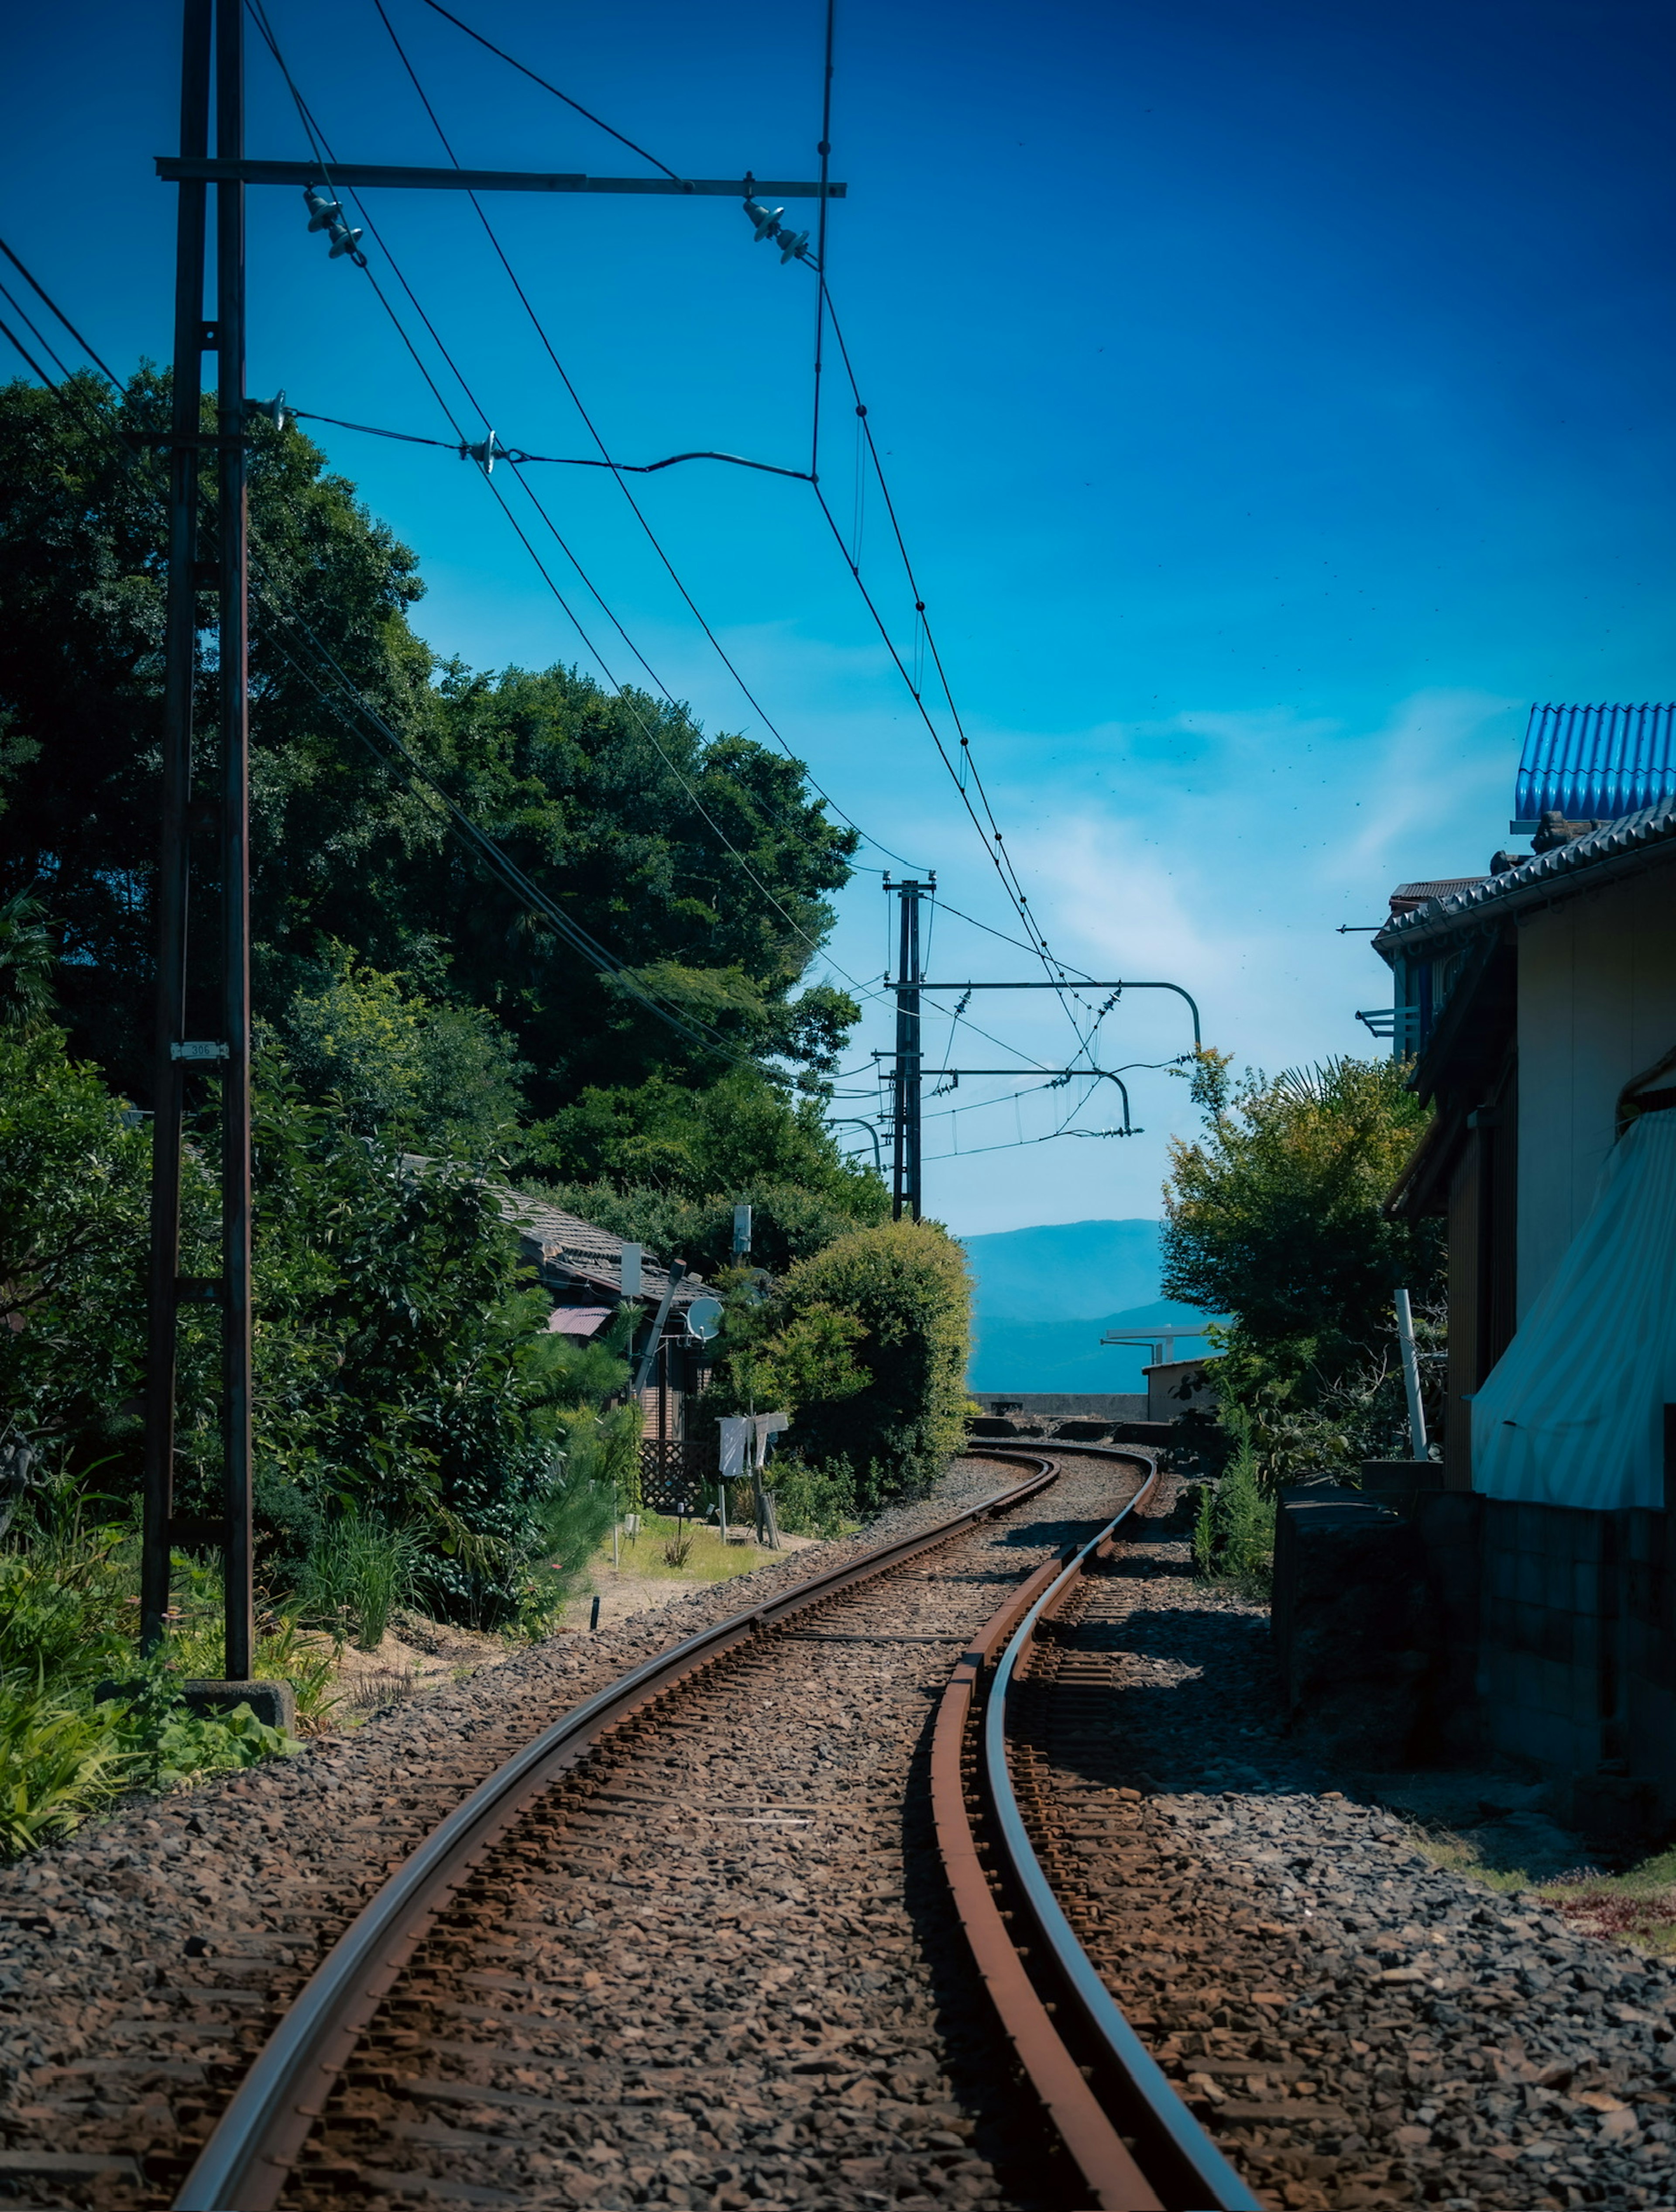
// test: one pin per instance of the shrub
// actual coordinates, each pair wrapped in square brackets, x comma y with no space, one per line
[812,1501]
[61,1758]
[867,1340]
[1233,1536]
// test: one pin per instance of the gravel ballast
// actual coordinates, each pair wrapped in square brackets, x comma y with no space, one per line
[1354,2026]
[143,1964]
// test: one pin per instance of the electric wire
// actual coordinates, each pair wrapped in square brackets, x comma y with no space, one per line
[517,458]
[607,461]
[59,313]
[35,330]
[11,337]
[318,140]
[523,69]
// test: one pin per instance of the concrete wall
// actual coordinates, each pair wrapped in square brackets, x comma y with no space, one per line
[1597,1005]
[1179,1386]
[1068,1405]
[1575,1651]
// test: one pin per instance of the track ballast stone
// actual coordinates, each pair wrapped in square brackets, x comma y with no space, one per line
[143,1964]
[1354,2026]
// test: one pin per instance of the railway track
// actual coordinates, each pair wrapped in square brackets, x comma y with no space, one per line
[691,1946]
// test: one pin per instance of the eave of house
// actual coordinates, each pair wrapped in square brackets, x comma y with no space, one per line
[1588,863]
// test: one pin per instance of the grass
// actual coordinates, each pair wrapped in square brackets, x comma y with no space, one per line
[707,1559]
[69,1614]
[1637,1907]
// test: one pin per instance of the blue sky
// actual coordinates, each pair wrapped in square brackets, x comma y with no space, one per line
[1275,397]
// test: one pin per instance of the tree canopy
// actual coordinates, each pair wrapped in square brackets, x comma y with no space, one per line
[1276,1215]
[702,862]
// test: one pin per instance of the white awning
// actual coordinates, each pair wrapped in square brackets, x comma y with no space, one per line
[1573,1411]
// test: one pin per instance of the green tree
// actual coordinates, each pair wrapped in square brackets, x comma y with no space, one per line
[666,1164]
[437,1076]
[1276,1215]
[74,1179]
[703,862]
[869,1339]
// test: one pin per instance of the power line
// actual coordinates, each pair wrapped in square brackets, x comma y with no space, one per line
[318,141]
[59,313]
[605,459]
[12,338]
[523,69]
[33,329]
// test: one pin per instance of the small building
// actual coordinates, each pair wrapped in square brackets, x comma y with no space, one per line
[1540,1003]
[582,1267]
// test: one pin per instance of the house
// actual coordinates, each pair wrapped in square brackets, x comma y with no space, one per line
[584,1268]
[1539,1001]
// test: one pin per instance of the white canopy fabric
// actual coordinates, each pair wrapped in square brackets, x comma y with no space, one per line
[1573,1411]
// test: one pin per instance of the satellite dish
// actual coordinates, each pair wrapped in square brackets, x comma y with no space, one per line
[704,1318]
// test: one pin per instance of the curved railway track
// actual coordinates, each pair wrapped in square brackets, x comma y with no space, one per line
[624,1815]
[1134,2143]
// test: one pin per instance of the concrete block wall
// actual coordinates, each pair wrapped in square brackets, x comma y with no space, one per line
[1577,1665]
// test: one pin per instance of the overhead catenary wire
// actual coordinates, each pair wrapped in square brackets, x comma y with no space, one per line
[605,458]
[317,138]
[993,836]
[489,848]
[517,458]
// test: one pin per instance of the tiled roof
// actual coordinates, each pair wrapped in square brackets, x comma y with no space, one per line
[1407,896]
[1535,882]
[1596,763]
[564,1243]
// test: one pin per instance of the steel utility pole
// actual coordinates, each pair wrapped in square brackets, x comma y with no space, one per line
[907,1064]
[905,1100]
[220,821]
[191,876]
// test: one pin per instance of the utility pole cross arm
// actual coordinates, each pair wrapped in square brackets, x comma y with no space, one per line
[178,168]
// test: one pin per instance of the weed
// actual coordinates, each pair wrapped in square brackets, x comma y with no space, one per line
[1233,1537]
[359,1569]
[678,1548]
[60,1759]
[1455,1856]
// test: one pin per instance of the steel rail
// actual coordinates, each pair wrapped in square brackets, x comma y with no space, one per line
[1173,2159]
[244,2166]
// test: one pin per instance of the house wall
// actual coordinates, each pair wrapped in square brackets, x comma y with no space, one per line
[1597,1005]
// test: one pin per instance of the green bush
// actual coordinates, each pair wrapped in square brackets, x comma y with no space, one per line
[1233,1535]
[812,1501]
[865,1344]
[61,1758]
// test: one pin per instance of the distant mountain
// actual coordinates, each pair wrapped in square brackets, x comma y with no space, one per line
[1068,1355]
[1066,1269]
[1036,1289]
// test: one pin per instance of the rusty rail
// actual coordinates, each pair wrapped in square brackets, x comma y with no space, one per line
[1134,2143]
[244,2166]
